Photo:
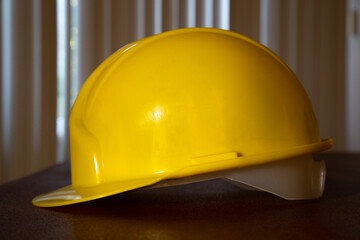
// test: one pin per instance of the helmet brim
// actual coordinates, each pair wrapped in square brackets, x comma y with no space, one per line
[71,194]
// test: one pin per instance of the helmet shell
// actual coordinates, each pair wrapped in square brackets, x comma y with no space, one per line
[182,103]
[165,100]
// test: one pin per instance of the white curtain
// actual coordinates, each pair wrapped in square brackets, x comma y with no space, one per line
[309,35]
[28,87]
[352,76]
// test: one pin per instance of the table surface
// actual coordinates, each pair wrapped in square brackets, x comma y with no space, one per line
[212,209]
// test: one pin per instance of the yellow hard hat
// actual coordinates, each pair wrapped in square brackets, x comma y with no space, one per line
[188,105]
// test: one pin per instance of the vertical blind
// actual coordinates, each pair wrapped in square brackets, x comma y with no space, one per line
[352,76]
[309,35]
[28,87]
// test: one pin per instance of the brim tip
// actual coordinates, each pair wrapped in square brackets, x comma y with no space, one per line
[60,197]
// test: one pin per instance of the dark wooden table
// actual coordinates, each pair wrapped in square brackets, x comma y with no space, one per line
[209,210]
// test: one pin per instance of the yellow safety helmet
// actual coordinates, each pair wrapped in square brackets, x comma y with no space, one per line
[188,105]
